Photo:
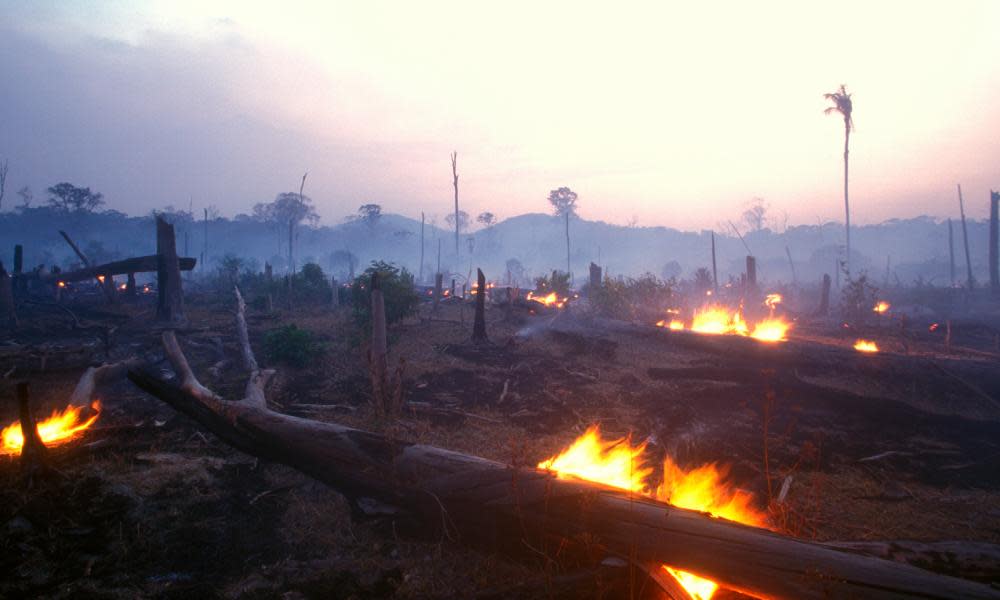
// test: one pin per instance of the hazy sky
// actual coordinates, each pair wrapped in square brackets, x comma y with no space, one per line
[673,113]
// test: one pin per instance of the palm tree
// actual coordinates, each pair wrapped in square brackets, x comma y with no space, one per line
[842,105]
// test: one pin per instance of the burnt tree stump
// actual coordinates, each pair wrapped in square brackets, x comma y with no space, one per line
[8,312]
[595,277]
[824,298]
[170,305]
[438,284]
[479,322]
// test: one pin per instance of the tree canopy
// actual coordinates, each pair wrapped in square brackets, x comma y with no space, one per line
[563,201]
[69,198]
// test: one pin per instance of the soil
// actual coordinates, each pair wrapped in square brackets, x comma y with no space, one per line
[147,505]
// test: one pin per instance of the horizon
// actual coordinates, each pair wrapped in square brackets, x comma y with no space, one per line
[171,103]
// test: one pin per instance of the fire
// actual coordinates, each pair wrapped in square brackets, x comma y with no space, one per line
[550,300]
[717,320]
[865,346]
[618,463]
[60,427]
[673,324]
[61,284]
[100,278]
[882,307]
[771,330]
[772,300]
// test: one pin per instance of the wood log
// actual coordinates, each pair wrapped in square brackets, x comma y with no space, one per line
[106,282]
[476,499]
[170,299]
[139,264]
[479,321]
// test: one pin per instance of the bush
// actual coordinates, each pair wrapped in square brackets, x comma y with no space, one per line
[631,297]
[293,346]
[857,299]
[401,300]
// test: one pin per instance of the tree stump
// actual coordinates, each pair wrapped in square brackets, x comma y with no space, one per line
[438,284]
[8,311]
[170,296]
[824,298]
[595,277]
[479,322]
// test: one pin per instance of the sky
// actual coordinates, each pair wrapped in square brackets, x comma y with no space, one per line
[661,113]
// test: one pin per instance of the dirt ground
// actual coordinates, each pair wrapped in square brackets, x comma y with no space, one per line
[145,504]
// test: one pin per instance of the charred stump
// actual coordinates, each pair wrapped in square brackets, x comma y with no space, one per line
[19,283]
[34,455]
[335,293]
[8,310]
[130,290]
[595,277]
[479,321]
[824,297]
[170,298]
[438,284]
[751,276]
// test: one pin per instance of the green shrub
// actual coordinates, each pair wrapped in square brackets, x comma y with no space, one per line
[293,346]
[558,282]
[401,300]
[631,297]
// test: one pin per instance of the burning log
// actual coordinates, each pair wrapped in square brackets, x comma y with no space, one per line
[479,322]
[490,502]
[170,305]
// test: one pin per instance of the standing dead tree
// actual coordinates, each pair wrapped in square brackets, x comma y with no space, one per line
[8,309]
[715,271]
[970,281]
[420,277]
[951,252]
[994,250]
[3,180]
[454,175]
[170,296]
[386,401]
[491,503]
[479,322]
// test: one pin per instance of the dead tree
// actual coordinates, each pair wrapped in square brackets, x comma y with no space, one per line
[595,278]
[479,322]
[824,297]
[3,180]
[791,263]
[335,295]
[8,309]
[170,295]
[19,284]
[751,276]
[420,277]
[994,251]
[454,174]
[130,290]
[715,272]
[951,252]
[386,400]
[34,455]
[106,282]
[490,503]
[438,284]
[970,281]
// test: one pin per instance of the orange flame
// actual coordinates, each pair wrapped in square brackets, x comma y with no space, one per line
[717,320]
[618,463]
[550,300]
[881,307]
[58,428]
[771,330]
[865,346]
[772,300]
[673,324]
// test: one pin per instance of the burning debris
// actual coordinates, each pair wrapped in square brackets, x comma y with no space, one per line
[619,463]
[866,346]
[716,319]
[61,426]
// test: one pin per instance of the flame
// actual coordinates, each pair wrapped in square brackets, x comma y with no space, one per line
[100,278]
[771,330]
[61,284]
[122,286]
[550,300]
[882,307]
[618,463]
[714,320]
[933,327]
[673,324]
[865,346]
[772,300]
[59,427]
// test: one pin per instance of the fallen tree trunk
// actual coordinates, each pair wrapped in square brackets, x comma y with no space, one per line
[139,264]
[490,502]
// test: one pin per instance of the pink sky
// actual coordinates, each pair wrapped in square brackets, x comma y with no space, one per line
[671,114]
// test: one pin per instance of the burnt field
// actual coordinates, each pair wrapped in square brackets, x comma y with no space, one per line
[894,454]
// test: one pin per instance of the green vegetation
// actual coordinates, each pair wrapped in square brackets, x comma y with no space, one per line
[292,346]
[401,300]
[631,297]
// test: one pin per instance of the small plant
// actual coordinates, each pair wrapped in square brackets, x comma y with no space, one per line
[858,298]
[558,283]
[632,297]
[293,346]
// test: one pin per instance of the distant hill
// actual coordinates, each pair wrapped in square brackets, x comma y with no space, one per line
[913,248]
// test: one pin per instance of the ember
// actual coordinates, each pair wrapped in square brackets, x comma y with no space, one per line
[882,307]
[618,463]
[59,427]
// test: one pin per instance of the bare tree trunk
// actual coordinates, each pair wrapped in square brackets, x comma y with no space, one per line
[18,282]
[204,248]
[335,295]
[751,276]
[170,305]
[479,322]
[420,278]
[847,206]
[715,272]
[595,278]
[568,270]
[791,263]
[130,290]
[994,252]
[971,282]
[438,284]
[951,252]
[824,297]
[454,173]
[8,310]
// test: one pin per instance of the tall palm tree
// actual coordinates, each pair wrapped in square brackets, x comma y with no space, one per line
[842,105]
